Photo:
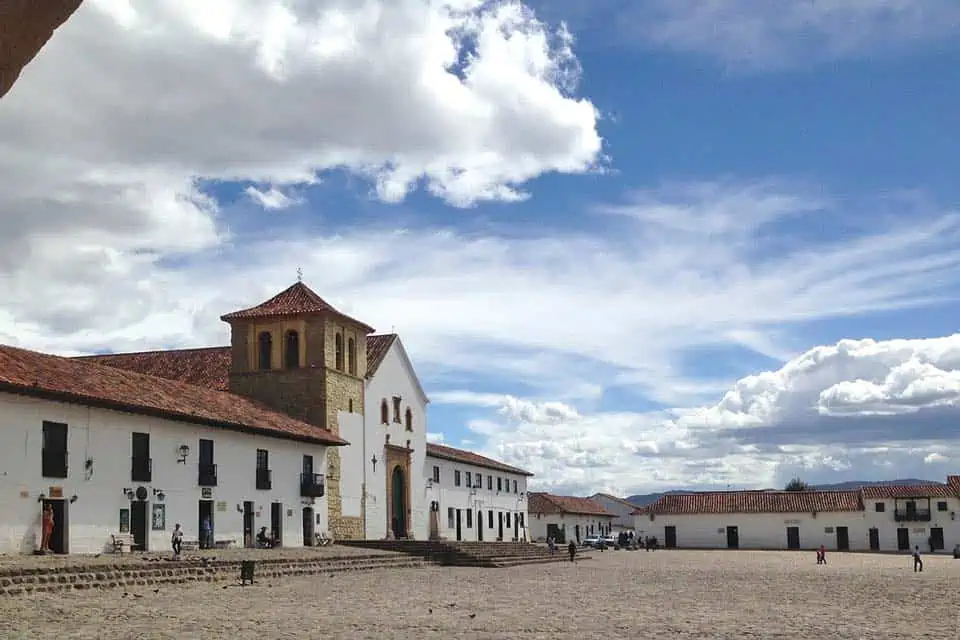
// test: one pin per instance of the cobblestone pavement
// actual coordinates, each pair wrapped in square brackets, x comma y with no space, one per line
[671,594]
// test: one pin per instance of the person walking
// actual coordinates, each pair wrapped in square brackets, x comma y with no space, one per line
[822,555]
[176,541]
[572,549]
[917,560]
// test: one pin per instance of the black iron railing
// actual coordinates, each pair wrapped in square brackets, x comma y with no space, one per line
[311,485]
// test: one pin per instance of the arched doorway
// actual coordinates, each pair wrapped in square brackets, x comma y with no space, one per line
[398,501]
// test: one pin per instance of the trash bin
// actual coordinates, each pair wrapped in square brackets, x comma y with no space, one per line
[246,571]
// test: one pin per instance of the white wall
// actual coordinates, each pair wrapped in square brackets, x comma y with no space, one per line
[351,464]
[589,525]
[624,518]
[105,438]
[393,378]
[509,501]
[918,531]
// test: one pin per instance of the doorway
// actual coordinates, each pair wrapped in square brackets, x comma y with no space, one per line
[500,525]
[936,538]
[139,524]
[480,526]
[60,537]
[576,533]
[204,514]
[793,538]
[733,538]
[843,539]
[670,537]
[903,539]
[459,529]
[308,526]
[874,539]
[516,526]
[276,522]
[398,491]
[248,537]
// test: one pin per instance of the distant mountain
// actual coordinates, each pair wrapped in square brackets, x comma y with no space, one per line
[642,500]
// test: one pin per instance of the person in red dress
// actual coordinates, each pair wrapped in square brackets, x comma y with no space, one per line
[47,528]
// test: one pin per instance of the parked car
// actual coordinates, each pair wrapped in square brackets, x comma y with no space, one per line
[611,541]
[591,541]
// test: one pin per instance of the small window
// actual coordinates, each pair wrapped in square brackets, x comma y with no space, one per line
[466,478]
[515,486]
[456,478]
[490,519]
[384,412]
[352,356]
[451,522]
[396,409]
[880,507]
[408,419]
[339,351]
[499,484]
[469,518]
[490,486]
[350,405]
[942,506]
[264,351]
[263,459]
[291,348]
[508,520]
[436,474]
[478,481]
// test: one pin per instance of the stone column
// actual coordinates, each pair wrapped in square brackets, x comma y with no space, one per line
[25,26]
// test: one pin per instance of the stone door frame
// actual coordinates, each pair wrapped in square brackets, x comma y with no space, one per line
[399,457]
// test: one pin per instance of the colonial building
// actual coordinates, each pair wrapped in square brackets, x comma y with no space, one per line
[473,497]
[874,518]
[623,510]
[566,518]
[117,452]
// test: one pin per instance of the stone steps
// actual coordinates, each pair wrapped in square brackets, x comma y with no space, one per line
[466,554]
[18,582]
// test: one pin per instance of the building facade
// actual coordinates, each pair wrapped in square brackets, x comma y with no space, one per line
[566,518]
[113,452]
[622,509]
[473,498]
[874,518]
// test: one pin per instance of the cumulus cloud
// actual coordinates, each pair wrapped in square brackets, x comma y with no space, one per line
[272,198]
[936,458]
[512,408]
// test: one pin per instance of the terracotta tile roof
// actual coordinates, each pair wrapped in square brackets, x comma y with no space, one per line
[377,347]
[206,367]
[547,503]
[754,502]
[297,299]
[891,492]
[954,482]
[469,457]
[77,381]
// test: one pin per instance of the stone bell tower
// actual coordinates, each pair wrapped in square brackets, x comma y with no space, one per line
[297,354]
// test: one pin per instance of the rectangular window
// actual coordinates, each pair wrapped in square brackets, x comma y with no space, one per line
[508,520]
[53,456]
[263,459]
[520,516]
[456,478]
[490,484]
[880,507]
[436,474]
[264,481]
[396,409]
[141,467]
[451,522]
[942,506]
[499,484]
[478,481]
[490,519]
[466,478]
[515,486]
[469,518]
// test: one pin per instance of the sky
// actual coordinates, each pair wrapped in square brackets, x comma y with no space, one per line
[629,245]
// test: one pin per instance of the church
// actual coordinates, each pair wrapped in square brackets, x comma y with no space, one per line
[308,422]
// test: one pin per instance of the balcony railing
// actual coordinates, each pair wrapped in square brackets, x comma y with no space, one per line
[912,515]
[141,469]
[264,479]
[53,463]
[207,475]
[311,485]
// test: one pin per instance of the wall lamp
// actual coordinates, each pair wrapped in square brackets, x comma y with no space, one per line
[182,452]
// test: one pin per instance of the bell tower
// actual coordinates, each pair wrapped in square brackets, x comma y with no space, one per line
[297,354]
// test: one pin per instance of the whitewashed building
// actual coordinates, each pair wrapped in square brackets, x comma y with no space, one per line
[566,518]
[474,498]
[115,452]
[623,510]
[875,518]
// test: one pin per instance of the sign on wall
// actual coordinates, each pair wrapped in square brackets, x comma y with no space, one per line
[222,505]
[124,520]
[206,493]
[159,517]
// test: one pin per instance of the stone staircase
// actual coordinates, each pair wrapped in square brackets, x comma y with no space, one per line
[468,554]
[21,580]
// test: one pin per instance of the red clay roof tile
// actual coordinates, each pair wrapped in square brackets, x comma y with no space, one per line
[297,299]
[205,367]
[754,502]
[954,482]
[891,492]
[538,502]
[377,347]
[469,457]
[75,380]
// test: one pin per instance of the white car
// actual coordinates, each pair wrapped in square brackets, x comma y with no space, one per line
[592,541]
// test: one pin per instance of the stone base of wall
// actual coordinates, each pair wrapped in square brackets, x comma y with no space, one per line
[346,528]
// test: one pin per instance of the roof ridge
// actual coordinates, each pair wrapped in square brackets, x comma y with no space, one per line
[149,352]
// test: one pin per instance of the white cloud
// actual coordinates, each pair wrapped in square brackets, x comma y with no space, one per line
[746,34]
[511,407]
[435,438]
[272,198]
[935,458]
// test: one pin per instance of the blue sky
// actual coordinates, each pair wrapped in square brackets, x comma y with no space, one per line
[586,235]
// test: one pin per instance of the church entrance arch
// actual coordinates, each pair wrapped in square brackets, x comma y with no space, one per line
[398,491]
[397,501]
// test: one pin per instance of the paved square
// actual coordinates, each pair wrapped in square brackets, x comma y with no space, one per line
[673,594]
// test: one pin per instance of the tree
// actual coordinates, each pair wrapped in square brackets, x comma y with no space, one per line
[797,485]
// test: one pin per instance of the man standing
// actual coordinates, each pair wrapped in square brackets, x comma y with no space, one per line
[917,560]
[207,533]
[572,549]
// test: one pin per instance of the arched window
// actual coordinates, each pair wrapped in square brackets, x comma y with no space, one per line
[291,356]
[339,343]
[264,351]
[408,419]
[352,356]
[384,412]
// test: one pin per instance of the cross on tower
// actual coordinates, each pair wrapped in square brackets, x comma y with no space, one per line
[299,274]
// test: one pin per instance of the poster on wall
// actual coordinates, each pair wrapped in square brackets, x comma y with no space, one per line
[159,517]
[124,520]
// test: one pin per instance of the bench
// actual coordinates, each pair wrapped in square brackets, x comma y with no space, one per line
[122,542]
[223,543]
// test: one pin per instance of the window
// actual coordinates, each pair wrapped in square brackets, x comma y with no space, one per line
[467,477]
[515,486]
[451,523]
[508,520]
[408,419]
[456,478]
[263,470]
[436,474]
[396,409]
[263,459]
[880,507]
[352,356]
[520,518]
[478,481]
[350,405]
[384,412]
[339,351]
[490,486]
[53,456]
[141,466]
[490,519]
[942,506]
[469,518]
[264,351]
[291,350]
[499,484]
